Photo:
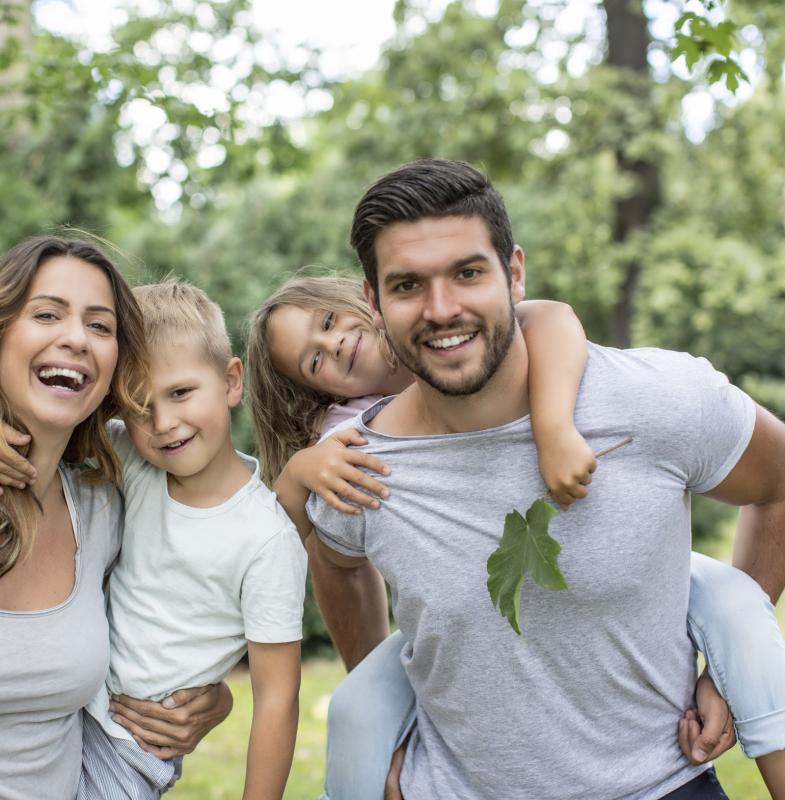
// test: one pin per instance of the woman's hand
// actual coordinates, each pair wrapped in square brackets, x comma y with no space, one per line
[175,725]
[566,464]
[330,467]
[15,469]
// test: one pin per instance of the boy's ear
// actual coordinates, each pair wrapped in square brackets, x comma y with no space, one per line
[370,296]
[517,275]
[234,381]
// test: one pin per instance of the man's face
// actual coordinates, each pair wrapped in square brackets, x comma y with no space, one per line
[444,300]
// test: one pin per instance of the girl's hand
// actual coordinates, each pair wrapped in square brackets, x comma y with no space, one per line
[15,469]
[566,464]
[176,724]
[330,467]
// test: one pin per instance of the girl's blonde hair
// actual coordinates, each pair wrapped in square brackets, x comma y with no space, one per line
[19,507]
[288,416]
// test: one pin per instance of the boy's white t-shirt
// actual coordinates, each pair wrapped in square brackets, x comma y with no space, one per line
[193,585]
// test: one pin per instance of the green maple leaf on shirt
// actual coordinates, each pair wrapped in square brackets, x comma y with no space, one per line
[525,549]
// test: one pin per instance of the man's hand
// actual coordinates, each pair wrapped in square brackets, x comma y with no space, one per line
[706,733]
[392,786]
[175,725]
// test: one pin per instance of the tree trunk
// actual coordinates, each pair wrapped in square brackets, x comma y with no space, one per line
[628,40]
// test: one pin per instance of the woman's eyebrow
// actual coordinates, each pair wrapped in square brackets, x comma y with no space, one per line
[65,304]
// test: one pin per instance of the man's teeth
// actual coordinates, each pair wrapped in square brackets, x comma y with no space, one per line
[450,341]
[61,372]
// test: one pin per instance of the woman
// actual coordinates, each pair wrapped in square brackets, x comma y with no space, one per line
[313,347]
[72,356]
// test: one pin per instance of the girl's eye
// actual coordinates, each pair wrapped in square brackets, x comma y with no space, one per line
[329,319]
[180,393]
[317,357]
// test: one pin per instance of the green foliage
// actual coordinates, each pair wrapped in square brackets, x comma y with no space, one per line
[697,37]
[525,549]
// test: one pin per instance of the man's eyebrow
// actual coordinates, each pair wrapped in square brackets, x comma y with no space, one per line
[65,304]
[412,275]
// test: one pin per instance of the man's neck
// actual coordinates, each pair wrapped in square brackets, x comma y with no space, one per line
[222,478]
[421,410]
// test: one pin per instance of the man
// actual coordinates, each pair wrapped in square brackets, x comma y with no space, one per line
[587,703]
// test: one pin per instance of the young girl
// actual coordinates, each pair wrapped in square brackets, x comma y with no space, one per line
[315,360]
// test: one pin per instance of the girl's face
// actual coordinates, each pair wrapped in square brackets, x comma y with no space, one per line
[58,356]
[333,352]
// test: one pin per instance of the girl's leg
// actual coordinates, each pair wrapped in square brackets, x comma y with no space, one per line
[732,622]
[370,714]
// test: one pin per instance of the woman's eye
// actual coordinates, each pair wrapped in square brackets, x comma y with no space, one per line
[46,316]
[315,362]
[329,319]
[101,327]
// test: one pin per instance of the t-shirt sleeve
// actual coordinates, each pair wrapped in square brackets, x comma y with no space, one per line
[724,420]
[273,589]
[342,532]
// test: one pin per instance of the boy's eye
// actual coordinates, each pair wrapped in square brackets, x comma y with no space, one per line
[317,357]
[329,319]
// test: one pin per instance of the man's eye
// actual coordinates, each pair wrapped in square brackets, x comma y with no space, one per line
[329,319]
[317,357]
[469,272]
[406,286]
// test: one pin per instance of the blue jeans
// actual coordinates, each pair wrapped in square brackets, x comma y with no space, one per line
[730,620]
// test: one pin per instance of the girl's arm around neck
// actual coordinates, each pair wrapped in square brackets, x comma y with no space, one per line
[556,345]
[330,469]
[275,681]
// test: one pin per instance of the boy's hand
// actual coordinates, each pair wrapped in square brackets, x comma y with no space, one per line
[176,724]
[330,467]
[706,733]
[15,469]
[566,464]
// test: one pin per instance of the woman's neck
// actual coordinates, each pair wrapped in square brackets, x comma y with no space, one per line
[46,452]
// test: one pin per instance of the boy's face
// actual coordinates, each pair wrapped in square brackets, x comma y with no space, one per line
[188,424]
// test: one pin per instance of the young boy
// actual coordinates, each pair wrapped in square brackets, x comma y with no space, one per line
[210,564]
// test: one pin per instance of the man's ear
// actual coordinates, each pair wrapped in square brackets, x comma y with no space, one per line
[234,381]
[517,274]
[370,297]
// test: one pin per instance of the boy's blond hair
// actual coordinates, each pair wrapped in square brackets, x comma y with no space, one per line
[175,308]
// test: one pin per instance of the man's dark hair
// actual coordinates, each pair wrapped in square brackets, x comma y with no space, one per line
[428,188]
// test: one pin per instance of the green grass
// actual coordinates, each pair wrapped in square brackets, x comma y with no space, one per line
[216,770]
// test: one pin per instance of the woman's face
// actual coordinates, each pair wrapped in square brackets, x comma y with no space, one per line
[333,352]
[58,355]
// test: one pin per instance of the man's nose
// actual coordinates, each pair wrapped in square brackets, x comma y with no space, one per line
[441,303]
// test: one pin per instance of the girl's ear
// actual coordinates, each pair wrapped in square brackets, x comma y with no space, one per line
[234,382]
[370,296]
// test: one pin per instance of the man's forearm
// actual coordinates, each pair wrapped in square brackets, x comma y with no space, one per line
[759,547]
[353,604]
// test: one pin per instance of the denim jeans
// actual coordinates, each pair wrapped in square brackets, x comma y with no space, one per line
[730,620]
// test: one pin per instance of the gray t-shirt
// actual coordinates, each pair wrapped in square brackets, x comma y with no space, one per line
[587,703]
[54,661]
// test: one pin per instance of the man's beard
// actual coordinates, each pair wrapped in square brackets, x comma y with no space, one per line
[498,345]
